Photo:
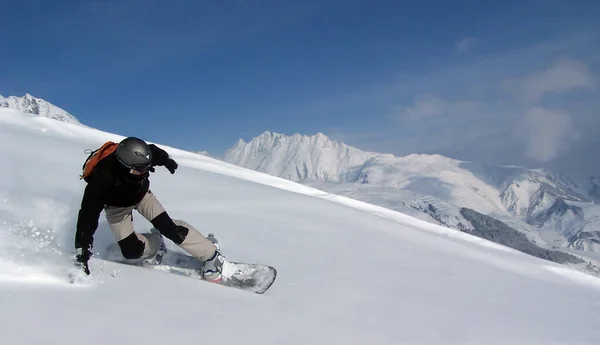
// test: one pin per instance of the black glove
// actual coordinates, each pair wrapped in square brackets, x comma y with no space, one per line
[82,257]
[171,165]
[160,157]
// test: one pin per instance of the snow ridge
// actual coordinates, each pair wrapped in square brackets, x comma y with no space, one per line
[37,106]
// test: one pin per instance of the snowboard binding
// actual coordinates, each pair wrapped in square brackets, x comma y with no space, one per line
[211,237]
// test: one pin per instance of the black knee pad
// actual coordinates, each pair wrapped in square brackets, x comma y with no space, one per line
[169,229]
[132,247]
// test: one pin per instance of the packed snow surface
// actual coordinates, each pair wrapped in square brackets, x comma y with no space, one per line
[348,272]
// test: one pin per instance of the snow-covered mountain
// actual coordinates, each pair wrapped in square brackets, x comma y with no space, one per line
[528,198]
[298,157]
[37,106]
[350,272]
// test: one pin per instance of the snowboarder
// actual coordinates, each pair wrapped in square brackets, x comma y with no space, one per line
[119,184]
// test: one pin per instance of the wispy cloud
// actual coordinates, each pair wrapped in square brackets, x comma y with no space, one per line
[427,106]
[476,127]
[546,133]
[565,75]
[466,44]
[533,106]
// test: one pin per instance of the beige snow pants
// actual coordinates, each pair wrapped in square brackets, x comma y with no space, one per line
[120,220]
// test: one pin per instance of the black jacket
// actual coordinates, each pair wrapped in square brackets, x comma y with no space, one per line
[111,184]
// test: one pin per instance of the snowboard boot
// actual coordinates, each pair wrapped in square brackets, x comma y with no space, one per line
[213,268]
[157,243]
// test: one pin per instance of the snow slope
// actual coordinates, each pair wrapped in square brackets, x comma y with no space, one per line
[349,272]
[37,106]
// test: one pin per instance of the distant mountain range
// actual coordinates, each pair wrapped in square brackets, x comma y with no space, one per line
[550,209]
[37,106]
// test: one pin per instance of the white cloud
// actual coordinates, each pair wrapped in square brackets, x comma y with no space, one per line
[546,133]
[470,108]
[425,106]
[563,76]
[428,106]
[465,44]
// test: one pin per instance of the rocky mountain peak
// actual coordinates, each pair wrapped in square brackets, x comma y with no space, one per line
[32,105]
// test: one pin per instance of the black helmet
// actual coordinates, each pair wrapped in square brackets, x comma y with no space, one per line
[135,154]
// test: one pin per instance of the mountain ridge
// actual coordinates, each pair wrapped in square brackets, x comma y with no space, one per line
[36,106]
[537,198]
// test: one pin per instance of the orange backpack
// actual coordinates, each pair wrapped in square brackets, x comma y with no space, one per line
[95,157]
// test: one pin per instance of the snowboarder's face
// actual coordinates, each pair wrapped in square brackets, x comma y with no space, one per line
[136,172]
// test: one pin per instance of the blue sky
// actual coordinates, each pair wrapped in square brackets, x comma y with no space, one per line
[513,80]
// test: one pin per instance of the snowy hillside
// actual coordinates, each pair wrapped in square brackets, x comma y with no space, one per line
[349,272]
[37,106]
[534,198]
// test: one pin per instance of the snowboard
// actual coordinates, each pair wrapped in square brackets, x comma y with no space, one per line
[251,277]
